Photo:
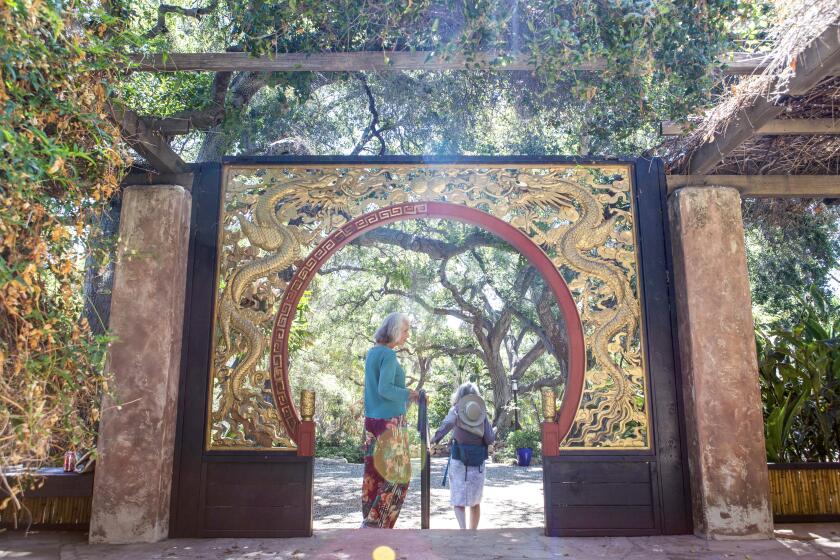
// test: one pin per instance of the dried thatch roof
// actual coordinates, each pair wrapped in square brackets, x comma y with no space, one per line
[804,24]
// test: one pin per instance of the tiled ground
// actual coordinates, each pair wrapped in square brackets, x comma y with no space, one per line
[807,542]
[510,528]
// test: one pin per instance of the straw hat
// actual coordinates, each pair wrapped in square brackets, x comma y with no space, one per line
[471,412]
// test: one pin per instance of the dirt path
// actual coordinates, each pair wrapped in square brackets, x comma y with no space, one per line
[513,497]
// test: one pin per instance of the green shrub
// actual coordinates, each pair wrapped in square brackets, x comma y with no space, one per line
[350,449]
[439,406]
[799,374]
[524,438]
[59,165]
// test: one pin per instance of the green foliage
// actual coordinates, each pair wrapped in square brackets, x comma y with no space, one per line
[299,335]
[165,95]
[800,384]
[439,405]
[657,57]
[791,245]
[518,439]
[642,43]
[58,165]
[348,448]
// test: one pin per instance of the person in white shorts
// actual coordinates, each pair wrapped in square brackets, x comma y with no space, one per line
[471,435]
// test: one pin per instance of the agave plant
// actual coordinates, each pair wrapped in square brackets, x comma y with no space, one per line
[799,370]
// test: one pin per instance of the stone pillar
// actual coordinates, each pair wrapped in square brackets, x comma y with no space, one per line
[137,429]
[725,429]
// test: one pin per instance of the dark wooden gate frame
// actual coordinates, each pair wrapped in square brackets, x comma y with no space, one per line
[598,492]
[207,503]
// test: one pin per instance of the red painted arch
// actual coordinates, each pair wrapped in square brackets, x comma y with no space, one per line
[407,211]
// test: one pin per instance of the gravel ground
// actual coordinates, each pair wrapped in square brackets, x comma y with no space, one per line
[513,497]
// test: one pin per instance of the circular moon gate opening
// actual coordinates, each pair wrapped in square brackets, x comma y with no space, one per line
[279,359]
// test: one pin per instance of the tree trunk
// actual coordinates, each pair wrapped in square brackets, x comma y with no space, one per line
[555,329]
[501,392]
[424,366]
[242,89]
[100,281]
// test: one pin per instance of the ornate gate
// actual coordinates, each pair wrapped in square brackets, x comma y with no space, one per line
[262,227]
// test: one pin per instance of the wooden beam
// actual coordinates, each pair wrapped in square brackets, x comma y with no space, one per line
[820,60]
[742,127]
[814,64]
[733,63]
[778,127]
[325,62]
[765,186]
[150,144]
[148,178]
[743,63]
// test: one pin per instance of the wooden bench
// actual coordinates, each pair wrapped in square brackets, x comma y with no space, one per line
[63,502]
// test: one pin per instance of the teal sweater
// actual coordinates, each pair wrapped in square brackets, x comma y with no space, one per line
[385,392]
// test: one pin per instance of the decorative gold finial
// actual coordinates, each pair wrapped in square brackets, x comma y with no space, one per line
[549,404]
[307,405]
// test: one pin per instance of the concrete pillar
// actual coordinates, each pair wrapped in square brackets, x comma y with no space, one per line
[137,429]
[729,481]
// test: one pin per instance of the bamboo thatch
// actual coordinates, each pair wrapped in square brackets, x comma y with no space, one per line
[802,23]
[56,511]
[805,492]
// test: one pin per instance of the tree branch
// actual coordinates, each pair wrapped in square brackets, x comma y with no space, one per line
[441,350]
[341,268]
[521,284]
[242,89]
[537,350]
[531,326]
[371,131]
[539,383]
[434,248]
[430,308]
[163,9]
[357,304]
[557,336]
[459,299]
[204,119]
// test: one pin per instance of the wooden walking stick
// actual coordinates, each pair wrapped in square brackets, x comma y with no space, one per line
[425,461]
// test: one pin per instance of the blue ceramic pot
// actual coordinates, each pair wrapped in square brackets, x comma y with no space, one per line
[523,455]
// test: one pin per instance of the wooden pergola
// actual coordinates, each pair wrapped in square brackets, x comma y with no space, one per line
[817,63]
[708,162]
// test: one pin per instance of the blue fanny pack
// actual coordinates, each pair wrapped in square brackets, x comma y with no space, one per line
[470,455]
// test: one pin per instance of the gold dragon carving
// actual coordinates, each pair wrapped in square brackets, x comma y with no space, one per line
[580,215]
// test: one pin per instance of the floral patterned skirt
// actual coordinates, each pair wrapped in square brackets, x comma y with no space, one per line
[387,471]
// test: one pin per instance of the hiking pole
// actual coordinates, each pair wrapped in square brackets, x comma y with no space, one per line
[425,462]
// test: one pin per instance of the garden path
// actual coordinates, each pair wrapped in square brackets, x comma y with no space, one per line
[513,497]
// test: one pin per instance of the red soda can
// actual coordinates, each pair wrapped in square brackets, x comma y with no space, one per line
[69,461]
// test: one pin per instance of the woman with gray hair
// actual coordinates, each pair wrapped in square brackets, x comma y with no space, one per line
[387,460]
[471,436]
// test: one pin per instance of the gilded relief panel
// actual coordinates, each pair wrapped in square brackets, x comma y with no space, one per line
[580,215]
